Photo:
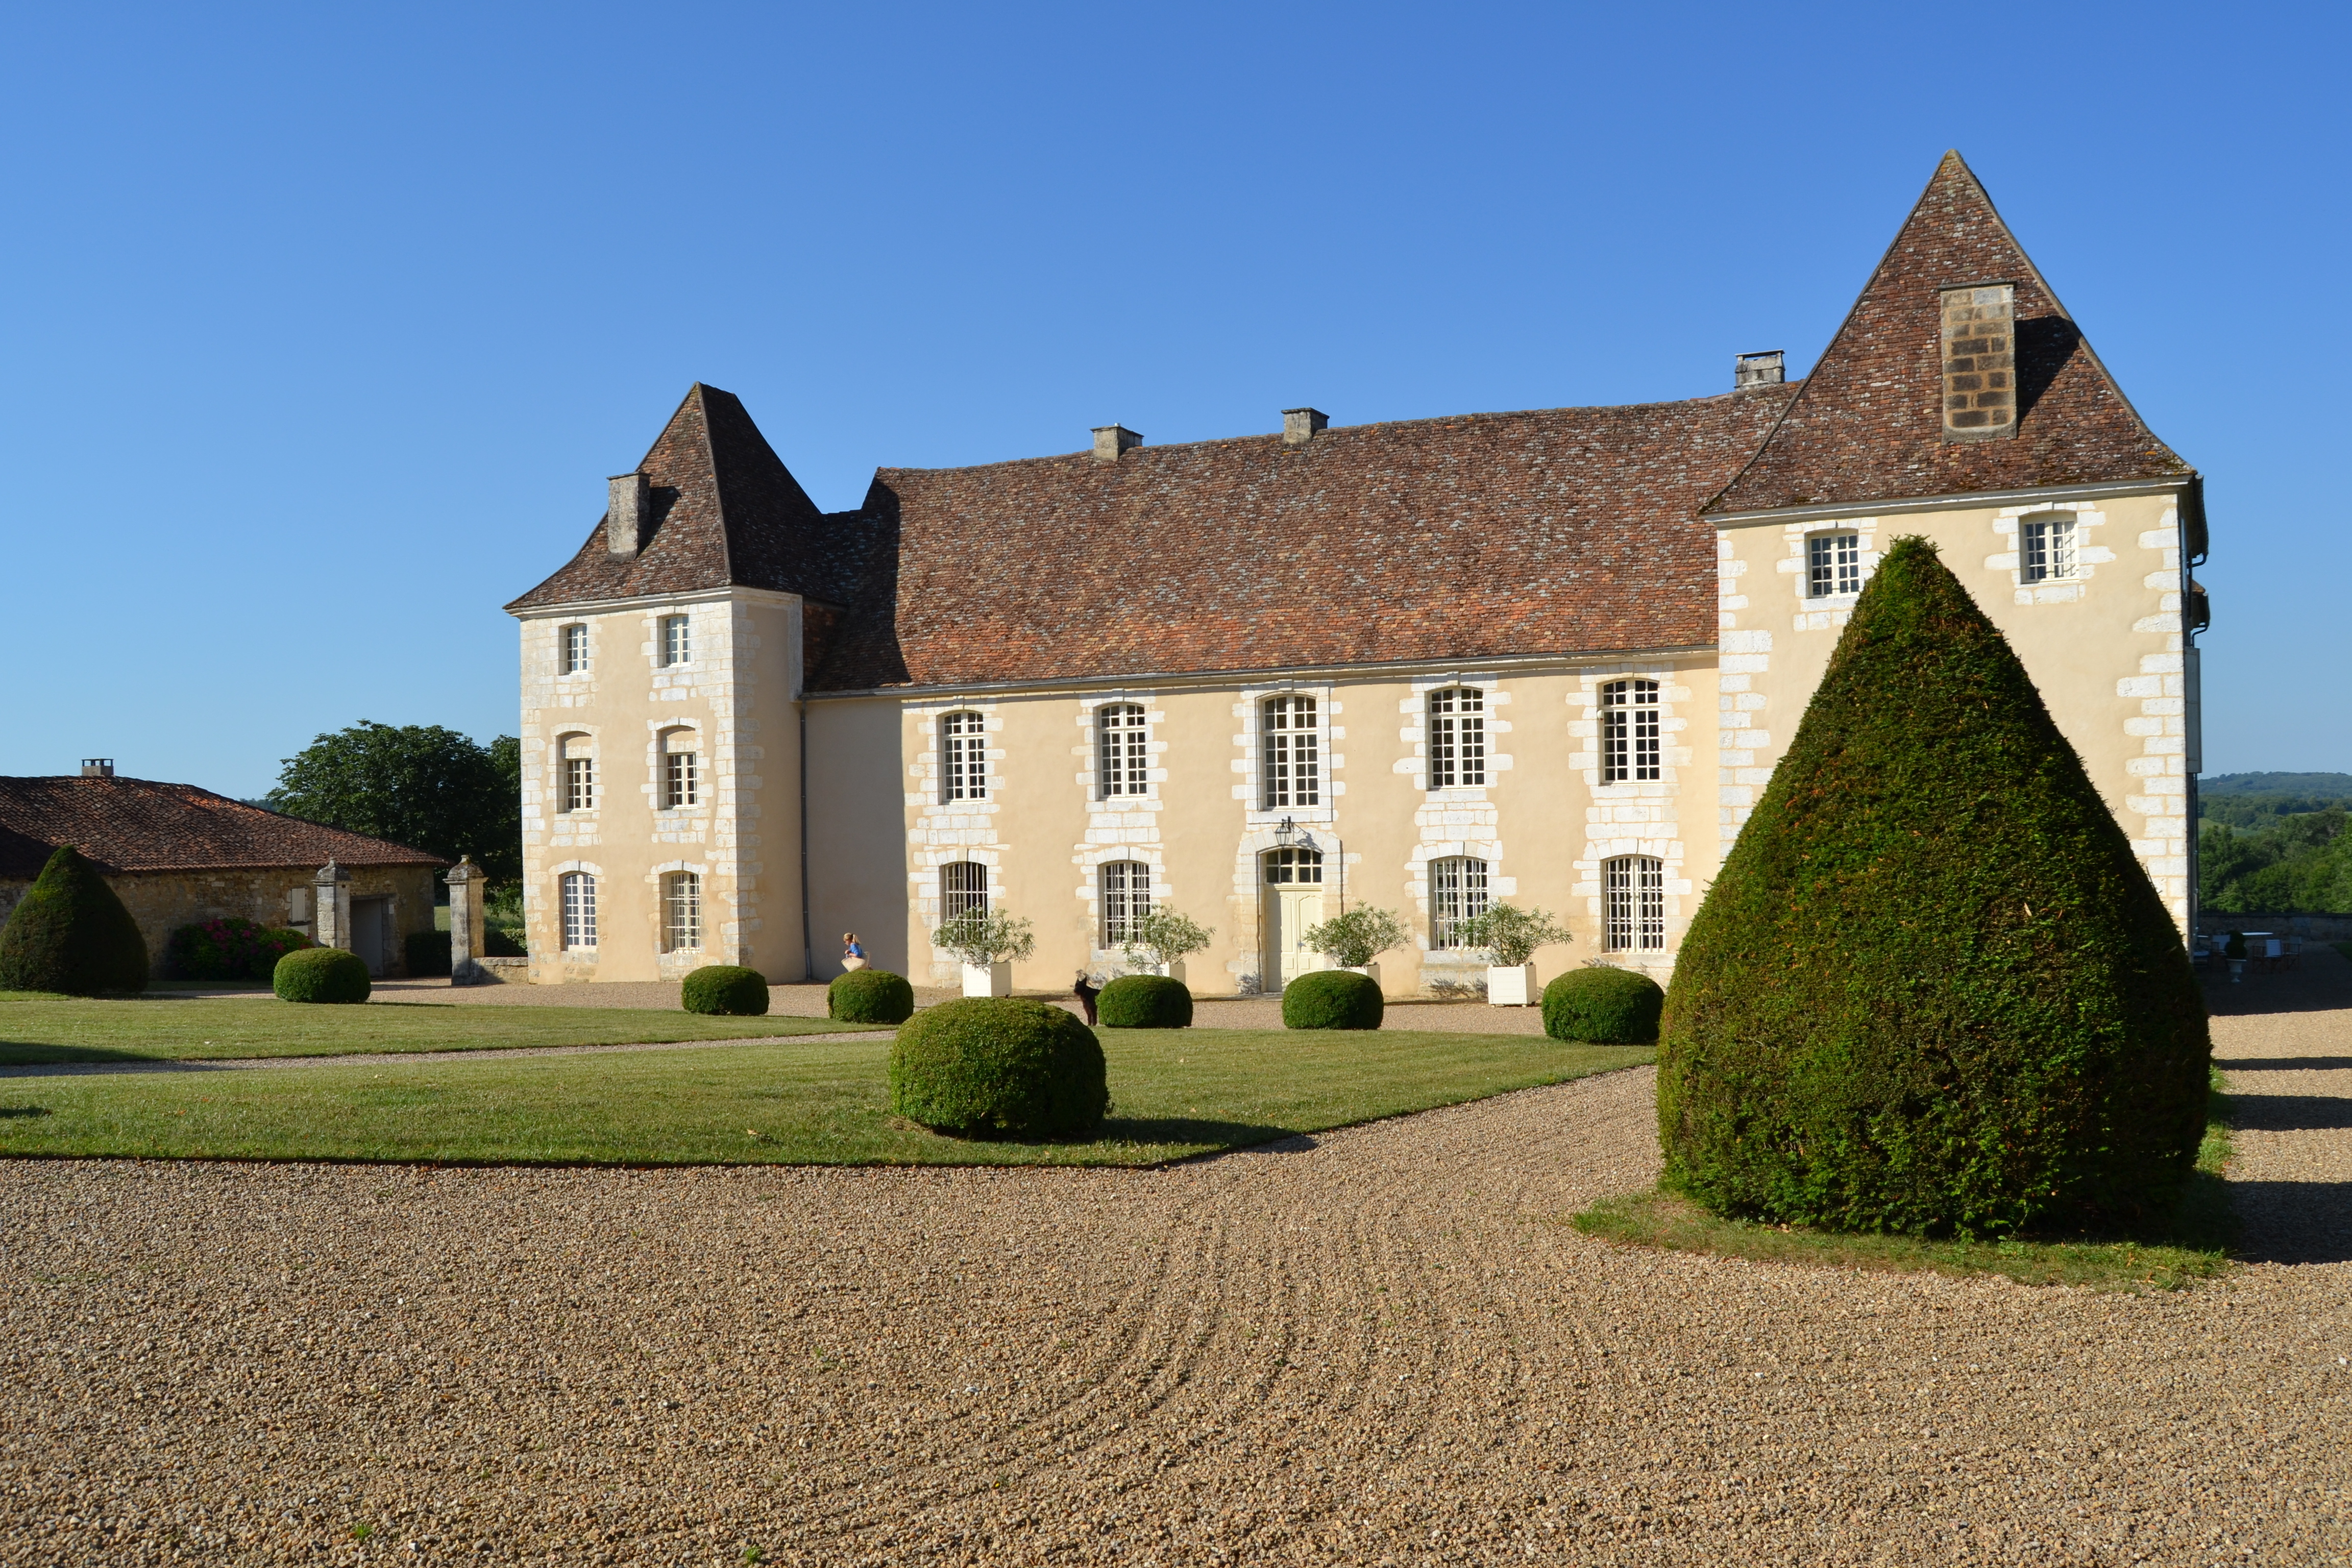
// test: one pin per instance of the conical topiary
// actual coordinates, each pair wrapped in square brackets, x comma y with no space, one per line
[70,934]
[1932,989]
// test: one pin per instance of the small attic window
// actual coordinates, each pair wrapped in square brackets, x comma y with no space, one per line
[676,640]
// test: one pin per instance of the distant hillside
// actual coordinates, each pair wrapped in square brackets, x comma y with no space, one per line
[2274,843]
[2333,786]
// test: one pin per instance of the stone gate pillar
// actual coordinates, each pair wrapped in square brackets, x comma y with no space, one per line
[331,910]
[464,880]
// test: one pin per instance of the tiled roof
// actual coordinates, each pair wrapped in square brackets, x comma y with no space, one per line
[139,824]
[1559,530]
[1869,424]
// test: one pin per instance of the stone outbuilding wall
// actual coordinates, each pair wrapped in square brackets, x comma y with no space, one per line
[162,902]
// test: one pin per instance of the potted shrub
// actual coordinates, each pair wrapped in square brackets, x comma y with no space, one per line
[1355,940]
[1510,937]
[1162,940]
[989,942]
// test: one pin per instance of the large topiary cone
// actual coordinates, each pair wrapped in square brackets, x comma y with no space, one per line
[70,934]
[1931,989]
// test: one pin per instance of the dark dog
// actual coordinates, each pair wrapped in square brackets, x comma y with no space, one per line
[1086,991]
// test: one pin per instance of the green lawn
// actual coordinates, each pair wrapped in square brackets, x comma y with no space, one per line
[191,1026]
[819,1101]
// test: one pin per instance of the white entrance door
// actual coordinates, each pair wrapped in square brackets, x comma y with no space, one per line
[1292,906]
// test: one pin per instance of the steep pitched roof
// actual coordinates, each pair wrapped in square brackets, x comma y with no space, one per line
[726,512]
[1557,531]
[1869,426]
[141,825]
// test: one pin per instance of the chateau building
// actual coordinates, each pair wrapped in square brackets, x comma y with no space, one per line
[1547,657]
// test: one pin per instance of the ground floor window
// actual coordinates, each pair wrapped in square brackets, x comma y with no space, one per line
[1457,895]
[579,909]
[681,913]
[1637,904]
[1126,888]
[963,891]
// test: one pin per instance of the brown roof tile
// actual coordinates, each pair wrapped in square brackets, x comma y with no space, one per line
[139,824]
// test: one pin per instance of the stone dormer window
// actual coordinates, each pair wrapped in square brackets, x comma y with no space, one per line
[676,640]
[1832,565]
[963,758]
[1458,738]
[1122,765]
[571,648]
[2046,548]
[1629,731]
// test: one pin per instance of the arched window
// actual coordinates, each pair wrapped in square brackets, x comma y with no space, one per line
[1458,737]
[1637,904]
[1284,866]
[576,782]
[1125,889]
[579,909]
[1457,894]
[963,758]
[1118,749]
[963,891]
[681,899]
[1629,731]
[1291,753]
[681,775]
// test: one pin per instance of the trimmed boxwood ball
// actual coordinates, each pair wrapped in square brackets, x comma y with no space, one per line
[1932,990]
[1145,1001]
[999,1066]
[1603,1007]
[321,974]
[69,933]
[870,996]
[1332,999]
[726,989]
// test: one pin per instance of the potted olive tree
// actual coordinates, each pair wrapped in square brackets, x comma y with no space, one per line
[1160,942]
[990,942]
[1510,937]
[1355,940]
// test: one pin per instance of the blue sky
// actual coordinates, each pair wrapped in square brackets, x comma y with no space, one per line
[325,324]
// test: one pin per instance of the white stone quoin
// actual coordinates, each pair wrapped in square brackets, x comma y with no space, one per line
[1512,987]
[988,979]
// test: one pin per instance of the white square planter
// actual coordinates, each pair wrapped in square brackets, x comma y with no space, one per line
[1511,987]
[988,979]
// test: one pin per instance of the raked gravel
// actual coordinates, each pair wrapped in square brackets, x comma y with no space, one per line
[1375,1346]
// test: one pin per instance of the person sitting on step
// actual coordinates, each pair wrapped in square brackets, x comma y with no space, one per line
[853,956]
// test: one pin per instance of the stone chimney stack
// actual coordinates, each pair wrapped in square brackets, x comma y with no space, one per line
[1300,424]
[98,767]
[1980,381]
[1768,369]
[1111,440]
[626,516]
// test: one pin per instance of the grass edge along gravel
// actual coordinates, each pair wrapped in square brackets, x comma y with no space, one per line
[2194,1247]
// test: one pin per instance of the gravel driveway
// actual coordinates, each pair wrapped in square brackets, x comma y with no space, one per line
[1373,1346]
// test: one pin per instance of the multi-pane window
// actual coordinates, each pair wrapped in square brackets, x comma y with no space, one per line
[1833,564]
[579,909]
[1292,753]
[963,751]
[1637,904]
[1126,888]
[573,643]
[681,913]
[1458,737]
[576,786]
[1290,866]
[2047,548]
[963,891]
[1119,746]
[681,781]
[1629,731]
[676,640]
[1457,895]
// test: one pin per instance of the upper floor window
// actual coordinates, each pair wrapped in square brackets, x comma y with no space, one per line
[1457,895]
[579,909]
[963,754]
[1833,564]
[677,639]
[1125,889]
[1292,753]
[963,891]
[2046,549]
[572,644]
[681,913]
[576,781]
[1294,865]
[1458,737]
[1636,919]
[1629,731]
[1120,747]
[681,777]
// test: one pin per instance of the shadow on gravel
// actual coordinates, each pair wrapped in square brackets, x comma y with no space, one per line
[1188,1129]
[2292,1221]
[2290,1112]
[2282,1064]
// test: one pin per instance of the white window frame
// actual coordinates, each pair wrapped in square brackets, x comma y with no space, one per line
[578,784]
[675,642]
[1290,752]
[2049,548]
[1458,738]
[1293,867]
[682,783]
[1124,890]
[681,899]
[1635,904]
[1630,732]
[577,901]
[1458,893]
[963,756]
[1832,565]
[571,648]
[963,889]
[1123,759]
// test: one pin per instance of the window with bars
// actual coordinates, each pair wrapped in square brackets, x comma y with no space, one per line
[1125,889]
[579,901]
[681,779]
[578,783]
[1833,564]
[676,640]
[1636,919]
[1291,752]
[2047,548]
[1119,738]
[1629,731]
[1458,737]
[1285,866]
[681,913]
[963,891]
[572,644]
[963,754]
[1457,895]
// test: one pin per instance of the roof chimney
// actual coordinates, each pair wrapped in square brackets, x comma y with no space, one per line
[1300,424]
[625,516]
[1980,390]
[1111,440]
[1768,369]
[98,767]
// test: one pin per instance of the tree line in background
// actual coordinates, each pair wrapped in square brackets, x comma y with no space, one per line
[421,785]
[2274,844]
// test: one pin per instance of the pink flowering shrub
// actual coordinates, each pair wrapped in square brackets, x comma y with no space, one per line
[230,949]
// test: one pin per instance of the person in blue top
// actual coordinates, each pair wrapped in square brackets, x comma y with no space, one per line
[852,955]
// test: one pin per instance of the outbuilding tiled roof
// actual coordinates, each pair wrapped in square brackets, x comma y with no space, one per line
[141,825]
[1869,424]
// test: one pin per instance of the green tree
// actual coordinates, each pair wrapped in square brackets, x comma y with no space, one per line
[70,934]
[422,785]
[1932,988]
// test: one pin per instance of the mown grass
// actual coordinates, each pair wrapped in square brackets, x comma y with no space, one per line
[189,1026]
[818,1101]
[2192,1245]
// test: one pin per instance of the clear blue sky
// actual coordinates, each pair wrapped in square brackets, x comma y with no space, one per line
[324,325]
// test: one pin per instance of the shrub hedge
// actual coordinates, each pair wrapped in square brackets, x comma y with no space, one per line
[427,952]
[999,1067]
[1145,1001]
[1931,989]
[321,974]
[870,996]
[230,949]
[1332,999]
[726,989]
[69,933]
[1601,1006]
